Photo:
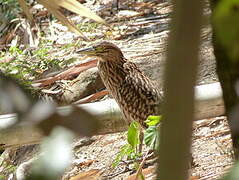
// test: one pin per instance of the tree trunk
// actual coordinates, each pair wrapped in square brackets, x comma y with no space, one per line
[228,74]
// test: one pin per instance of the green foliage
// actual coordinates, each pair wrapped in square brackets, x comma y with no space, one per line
[127,151]
[15,51]
[153,120]
[88,26]
[233,174]
[133,134]
[151,139]
[11,168]
[41,53]
[2,177]
[6,169]
[18,67]
[130,149]
[9,9]
[151,135]
[225,19]
[29,64]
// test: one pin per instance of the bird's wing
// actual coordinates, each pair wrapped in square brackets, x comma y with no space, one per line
[141,84]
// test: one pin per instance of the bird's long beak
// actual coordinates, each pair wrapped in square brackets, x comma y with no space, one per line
[87,51]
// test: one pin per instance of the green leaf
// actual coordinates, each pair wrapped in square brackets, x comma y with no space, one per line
[133,134]
[123,152]
[151,137]
[153,120]
[233,174]
[225,19]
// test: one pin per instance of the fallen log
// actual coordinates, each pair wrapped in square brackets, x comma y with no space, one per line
[209,104]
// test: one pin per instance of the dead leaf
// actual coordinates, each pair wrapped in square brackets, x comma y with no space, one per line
[92,97]
[149,173]
[93,174]
[86,163]
[53,8]
[26,9]
[69,73]
[7,59]
[194,178]
[78,8]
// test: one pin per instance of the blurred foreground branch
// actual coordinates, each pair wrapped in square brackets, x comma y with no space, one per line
[208,99]
[226,49]
[180,78]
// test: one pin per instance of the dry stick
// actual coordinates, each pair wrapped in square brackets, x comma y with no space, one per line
[92,97]
[72,71]
[139,170]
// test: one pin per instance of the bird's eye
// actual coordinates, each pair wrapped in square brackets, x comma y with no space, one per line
[98,49]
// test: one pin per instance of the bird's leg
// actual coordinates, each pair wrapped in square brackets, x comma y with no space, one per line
[116,4]
[141,139]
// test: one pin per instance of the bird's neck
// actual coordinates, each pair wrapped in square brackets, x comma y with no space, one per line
[112,73]
[113,63]
[114,58]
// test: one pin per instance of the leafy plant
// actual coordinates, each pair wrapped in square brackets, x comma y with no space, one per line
[153,120]
[2,177]
[29,64]
[130,149]
[6,168]
[9,9]
[233,174]
[125,150]
[88,26]
[133,134]
[151,139]
[151,135]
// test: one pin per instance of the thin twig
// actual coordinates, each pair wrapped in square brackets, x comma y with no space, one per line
[139,170]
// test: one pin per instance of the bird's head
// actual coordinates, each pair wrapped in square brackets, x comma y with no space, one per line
[105,51]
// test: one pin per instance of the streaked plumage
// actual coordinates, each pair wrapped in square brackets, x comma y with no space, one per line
[136,95]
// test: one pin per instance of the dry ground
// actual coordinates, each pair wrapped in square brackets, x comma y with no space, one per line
[211,154]
[211,146]
[144,41]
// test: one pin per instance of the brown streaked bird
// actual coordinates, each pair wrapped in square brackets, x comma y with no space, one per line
[137,96]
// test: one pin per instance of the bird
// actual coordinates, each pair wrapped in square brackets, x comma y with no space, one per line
[135,93]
